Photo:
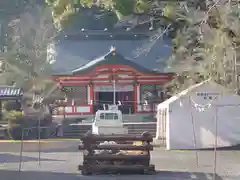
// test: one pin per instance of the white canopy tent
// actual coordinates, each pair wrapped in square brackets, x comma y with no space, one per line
[188,120]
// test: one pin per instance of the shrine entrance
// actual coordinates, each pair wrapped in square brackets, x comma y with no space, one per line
[124,96]
[104,97]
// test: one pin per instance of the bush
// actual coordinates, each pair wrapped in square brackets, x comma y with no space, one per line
[15,117]
[12,106]
[17,121]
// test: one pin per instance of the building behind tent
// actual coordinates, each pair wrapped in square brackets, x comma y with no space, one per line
[187,120]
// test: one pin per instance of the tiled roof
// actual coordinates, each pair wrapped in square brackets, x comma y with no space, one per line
[72,54]
[110,59]
[10,92]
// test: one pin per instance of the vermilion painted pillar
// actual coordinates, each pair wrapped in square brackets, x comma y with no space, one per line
[73,106]
[91,98]
[135,99]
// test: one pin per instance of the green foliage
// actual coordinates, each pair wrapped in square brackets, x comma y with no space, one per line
[15,118]
[70,13]
[64,11]
[15,123]
[170,10]
[73,13]
[206,47]
[124,7]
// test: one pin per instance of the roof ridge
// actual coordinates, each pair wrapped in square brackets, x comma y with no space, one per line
[184,92]
[92,62]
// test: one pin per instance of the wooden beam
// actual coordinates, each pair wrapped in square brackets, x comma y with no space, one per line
[65,79]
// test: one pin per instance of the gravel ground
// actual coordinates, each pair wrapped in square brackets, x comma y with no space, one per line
[59,161]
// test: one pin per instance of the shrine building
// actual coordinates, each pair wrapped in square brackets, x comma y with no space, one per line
[94,69]
[112,79]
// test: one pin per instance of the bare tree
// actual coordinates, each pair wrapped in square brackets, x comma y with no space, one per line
[208,47]
[26,57]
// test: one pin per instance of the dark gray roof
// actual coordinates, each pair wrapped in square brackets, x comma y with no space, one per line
[72,54]
[8,92]
[111,58]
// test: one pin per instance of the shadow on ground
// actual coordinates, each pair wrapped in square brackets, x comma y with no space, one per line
[27,175]
[188,175]
[60,146]
[229,148]
[9,158]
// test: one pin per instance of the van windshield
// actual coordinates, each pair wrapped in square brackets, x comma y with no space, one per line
[109,116]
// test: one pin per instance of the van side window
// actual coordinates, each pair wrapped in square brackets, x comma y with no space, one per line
[101,116]
[115,116]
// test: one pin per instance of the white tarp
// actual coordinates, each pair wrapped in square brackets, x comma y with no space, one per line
[198,130]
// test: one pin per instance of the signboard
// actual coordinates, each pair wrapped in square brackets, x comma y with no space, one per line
[10,92]
[118,88]
[208,95]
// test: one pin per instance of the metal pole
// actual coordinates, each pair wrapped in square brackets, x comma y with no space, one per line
[236,75]
[39,141]
[114,89]
[21,151]
[114,92]
[235,71]
[64,112]
[215,144]
[1,111]
[238,84]
[194,132]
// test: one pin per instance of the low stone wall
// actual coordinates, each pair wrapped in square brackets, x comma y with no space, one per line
[78,130]
[149,117]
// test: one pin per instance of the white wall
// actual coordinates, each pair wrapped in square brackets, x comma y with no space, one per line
[181,134]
